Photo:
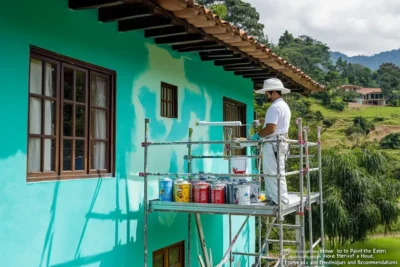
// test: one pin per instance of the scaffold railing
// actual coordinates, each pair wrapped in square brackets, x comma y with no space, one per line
[259,210]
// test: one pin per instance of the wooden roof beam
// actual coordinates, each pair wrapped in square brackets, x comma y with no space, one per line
[85,4]
[243,61]
[144,23]
[180,39]
[165,32]
[125,11]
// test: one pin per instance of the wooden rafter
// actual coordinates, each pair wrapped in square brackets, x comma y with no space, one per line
[125,11]
[85,4]
[165,31]
[180,39]
[144,23]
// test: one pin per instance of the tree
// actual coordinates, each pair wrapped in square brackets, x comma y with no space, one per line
[388,76]
[359,194]
[241,14]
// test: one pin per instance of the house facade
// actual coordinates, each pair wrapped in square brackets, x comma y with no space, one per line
[365,96]
[371,96]
[75,94]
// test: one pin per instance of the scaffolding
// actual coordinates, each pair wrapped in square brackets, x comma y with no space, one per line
[302,203]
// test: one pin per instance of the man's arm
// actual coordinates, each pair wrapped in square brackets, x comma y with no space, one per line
[267,130]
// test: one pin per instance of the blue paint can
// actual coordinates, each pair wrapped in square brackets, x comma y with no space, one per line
[165,189]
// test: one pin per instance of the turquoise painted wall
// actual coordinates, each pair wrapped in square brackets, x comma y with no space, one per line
[99,222]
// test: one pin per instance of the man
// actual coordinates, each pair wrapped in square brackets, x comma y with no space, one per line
[276,122]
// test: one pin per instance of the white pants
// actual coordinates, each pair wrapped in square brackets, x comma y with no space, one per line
[269,164]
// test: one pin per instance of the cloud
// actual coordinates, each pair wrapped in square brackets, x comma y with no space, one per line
[353,27]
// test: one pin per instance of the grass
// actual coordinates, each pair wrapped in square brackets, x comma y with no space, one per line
[335,135]
[386,249]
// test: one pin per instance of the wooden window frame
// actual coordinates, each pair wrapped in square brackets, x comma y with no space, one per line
[59,174]
[173,102]
[165,251]
[242,129]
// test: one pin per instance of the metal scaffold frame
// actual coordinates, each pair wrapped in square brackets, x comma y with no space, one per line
[258,210]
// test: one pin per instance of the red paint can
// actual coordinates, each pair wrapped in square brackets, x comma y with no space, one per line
[201,192]
[218,194]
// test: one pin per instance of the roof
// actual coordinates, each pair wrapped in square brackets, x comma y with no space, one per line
[367,91]
[210,23]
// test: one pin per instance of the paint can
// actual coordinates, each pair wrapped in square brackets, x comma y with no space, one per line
[231,193]
[193,186]
[181,191]
[165,189]
[217,193]
[201,192]
[254,192]
[243,194]
[239,165]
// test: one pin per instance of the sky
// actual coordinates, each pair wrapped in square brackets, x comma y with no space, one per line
[353,27]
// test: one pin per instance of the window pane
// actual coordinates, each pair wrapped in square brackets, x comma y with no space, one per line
[67,119]
[99,91]
[35,77]
[80,121]
[98,157]
[51,80]
[35,115]
[169,94]
[67,155]
[34,155]
[158,260]
[80,86]
[68,83]
[173,256]
[98,124]
[169,111]
[79,154]
[49,154]
[49,117]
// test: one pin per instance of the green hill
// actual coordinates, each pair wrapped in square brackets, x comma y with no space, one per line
[386,120]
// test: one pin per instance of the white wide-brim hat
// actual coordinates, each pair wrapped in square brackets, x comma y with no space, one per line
[273,84]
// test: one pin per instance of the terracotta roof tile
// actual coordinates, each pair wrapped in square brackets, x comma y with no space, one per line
[211,21]
[366,91]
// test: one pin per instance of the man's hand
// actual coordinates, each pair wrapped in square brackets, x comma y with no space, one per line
[262,121]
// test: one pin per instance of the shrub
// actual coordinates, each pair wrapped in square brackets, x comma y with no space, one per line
[337,106]
[329,122]
[361,126]
[379,119]
[391,141]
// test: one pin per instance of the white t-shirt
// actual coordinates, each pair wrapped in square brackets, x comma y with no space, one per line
[278,113]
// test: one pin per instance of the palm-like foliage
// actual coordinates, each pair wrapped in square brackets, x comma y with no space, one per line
[359,194]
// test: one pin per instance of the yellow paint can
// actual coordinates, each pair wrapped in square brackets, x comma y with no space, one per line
[181,191]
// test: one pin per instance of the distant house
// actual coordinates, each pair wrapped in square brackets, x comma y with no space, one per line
[366,96]
[371,96]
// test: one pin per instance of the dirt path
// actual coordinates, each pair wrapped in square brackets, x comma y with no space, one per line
[383,130]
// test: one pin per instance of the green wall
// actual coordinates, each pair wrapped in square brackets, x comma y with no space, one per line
[99,222]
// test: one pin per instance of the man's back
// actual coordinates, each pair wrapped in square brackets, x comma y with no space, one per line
[279,113]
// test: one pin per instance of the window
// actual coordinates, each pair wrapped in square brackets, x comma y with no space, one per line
[71,118]
[235,111]
[169,100]
[172,256]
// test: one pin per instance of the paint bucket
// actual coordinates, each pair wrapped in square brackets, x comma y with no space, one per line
[193,186]
[243,194]
[181,191]
[218,193]
[201,192]
[239,165]
[254,191]
[165,189]
[231,193]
